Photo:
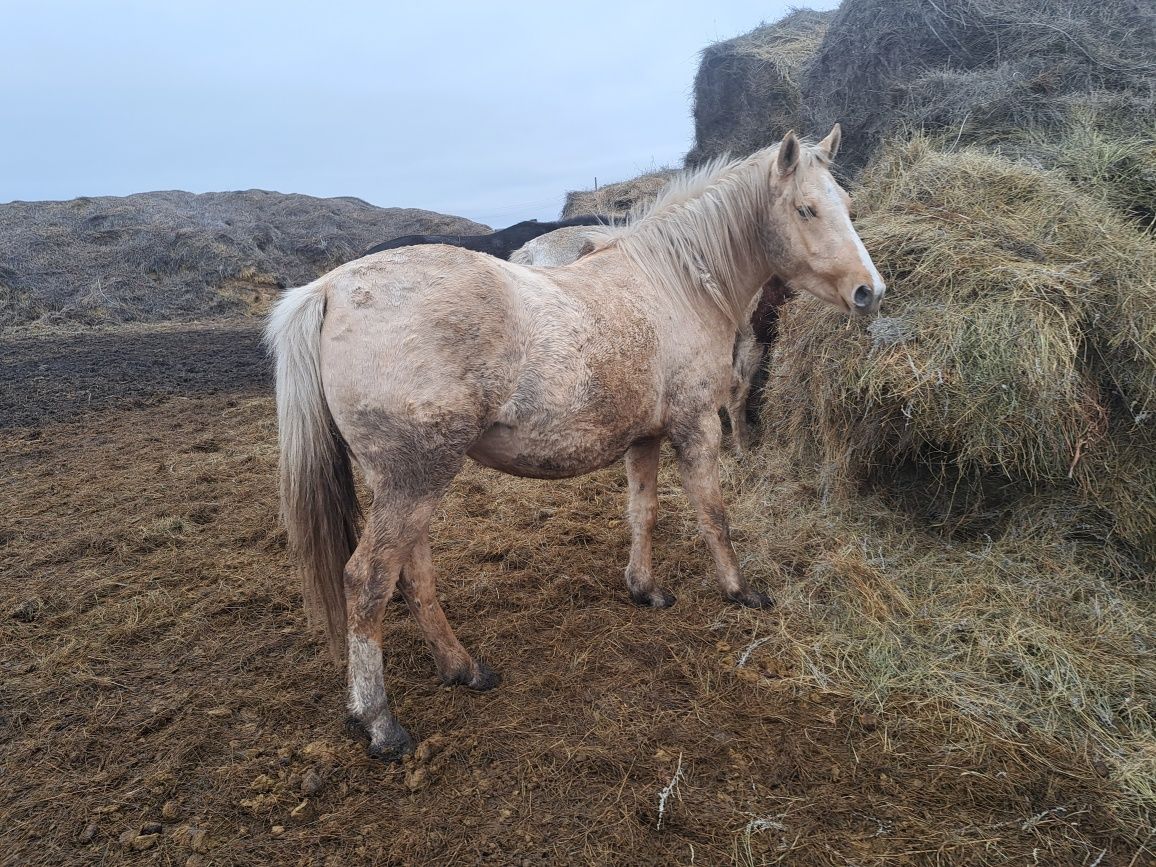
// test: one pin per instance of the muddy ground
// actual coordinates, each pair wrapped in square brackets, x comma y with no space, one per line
[163,701]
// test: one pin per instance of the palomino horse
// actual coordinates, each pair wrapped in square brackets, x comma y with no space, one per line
[411,360]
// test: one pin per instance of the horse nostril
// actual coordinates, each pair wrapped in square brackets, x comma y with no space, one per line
[863,296]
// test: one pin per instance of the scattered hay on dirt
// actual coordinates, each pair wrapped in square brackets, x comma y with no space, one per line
[980,69]
[616,200]
[176,255]
[747,93]
[1029,635]
[162,696]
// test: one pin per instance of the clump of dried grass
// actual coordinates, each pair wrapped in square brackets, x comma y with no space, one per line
[617,199]
[1102,160]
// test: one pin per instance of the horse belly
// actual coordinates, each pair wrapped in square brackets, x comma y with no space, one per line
[550,452]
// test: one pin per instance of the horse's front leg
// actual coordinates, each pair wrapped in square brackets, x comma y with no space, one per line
[642,511]
[696,443]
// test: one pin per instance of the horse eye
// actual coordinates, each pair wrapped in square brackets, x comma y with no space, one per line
[805,211]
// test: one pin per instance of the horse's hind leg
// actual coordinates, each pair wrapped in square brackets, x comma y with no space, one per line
[397,523]
[370,577]
[419,587]
[642,510]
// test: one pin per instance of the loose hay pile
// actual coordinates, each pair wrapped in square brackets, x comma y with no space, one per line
[982,531]
[1017,353]
[616,200]
[747,93]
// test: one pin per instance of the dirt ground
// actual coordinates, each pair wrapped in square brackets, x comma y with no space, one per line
[163,701]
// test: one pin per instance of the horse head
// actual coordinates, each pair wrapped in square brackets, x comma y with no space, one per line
[814,246]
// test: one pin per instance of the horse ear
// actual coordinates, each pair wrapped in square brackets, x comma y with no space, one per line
[830,145]
[788,154]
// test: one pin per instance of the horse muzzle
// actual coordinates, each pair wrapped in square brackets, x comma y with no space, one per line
[865,300]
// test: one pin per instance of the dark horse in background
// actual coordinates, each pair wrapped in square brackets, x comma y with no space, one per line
[500,243]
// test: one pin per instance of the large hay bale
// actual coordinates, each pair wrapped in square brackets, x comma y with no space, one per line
[176,255]
[1016,355]
[982,69]
[747,92]
[617,199]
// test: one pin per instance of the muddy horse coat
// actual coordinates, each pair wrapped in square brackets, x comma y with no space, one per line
[756,331]
[411,360]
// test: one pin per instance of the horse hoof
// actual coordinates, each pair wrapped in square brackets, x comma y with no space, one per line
[392,747]
[656,598]
[393,750]
[752,599]
[484,678]
[477,676]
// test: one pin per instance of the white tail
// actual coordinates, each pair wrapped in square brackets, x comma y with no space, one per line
[318,501]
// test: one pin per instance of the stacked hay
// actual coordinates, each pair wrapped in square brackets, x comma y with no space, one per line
[176,255]
[747,93]
[981,69]
[970,512]
[616,200]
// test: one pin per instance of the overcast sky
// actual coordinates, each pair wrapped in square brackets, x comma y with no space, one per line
[486,110]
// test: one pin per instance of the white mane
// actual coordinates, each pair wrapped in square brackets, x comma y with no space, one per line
[703,232]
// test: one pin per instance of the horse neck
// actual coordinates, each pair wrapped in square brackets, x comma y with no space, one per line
[708,250]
